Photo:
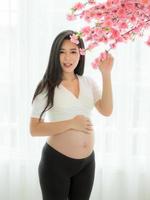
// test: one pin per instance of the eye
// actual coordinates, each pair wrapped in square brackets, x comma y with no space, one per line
[73,52]
[61,52]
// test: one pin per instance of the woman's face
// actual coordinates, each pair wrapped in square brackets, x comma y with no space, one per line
[69,56]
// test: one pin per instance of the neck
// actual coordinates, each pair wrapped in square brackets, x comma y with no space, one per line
[69,77]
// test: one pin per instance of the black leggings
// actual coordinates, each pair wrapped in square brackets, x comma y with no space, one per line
[62,177]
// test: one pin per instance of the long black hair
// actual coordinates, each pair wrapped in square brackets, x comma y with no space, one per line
[53,74]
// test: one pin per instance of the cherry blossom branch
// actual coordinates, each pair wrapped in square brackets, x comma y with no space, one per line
[114,21]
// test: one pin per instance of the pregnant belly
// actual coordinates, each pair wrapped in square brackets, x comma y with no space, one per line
[72,143]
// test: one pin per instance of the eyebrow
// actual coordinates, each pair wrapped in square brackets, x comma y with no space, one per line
[69,49]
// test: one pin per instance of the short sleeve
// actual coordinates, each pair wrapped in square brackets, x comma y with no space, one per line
[95,89]
[38,105]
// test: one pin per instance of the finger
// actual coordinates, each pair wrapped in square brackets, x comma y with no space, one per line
[89,124]
[89,121]
[89,129]
[89,132]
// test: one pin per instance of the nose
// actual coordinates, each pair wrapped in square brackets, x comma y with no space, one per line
[67,56]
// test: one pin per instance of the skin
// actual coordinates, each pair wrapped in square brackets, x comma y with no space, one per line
[105,105]
[69,58]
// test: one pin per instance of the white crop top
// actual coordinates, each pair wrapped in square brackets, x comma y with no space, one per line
[66,104]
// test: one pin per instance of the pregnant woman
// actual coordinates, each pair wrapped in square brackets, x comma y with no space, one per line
[67,97]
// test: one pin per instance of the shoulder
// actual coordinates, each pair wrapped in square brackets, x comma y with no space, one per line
[41,96]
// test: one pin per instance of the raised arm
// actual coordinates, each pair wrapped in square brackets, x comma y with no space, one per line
[105,104]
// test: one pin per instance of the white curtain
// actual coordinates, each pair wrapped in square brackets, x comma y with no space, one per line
[122,141]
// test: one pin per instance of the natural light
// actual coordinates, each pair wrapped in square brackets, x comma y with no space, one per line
[122,140]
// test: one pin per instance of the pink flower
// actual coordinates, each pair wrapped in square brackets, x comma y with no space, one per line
[91,1]
[103,56]
[116,1]
[120,39]
[112,46]
[74,39]
[86,30]
[99,59]
[78,6]
[123,25]
[121,13]
[96,63]
[115,33]
[133,18]
[111,22]
[130,6]
[144,1]
[148,41]
[108,23]
[92,45]
[71,17]
[82,51]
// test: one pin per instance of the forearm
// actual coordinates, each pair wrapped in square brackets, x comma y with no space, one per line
[50,128]
[107,97]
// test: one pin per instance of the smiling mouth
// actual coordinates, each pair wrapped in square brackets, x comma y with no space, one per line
[67,65]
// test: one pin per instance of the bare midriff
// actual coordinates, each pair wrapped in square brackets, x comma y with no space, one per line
[73,143]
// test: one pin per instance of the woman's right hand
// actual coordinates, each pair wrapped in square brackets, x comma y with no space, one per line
[82,123]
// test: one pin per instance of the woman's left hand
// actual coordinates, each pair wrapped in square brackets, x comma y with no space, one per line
[106,65]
